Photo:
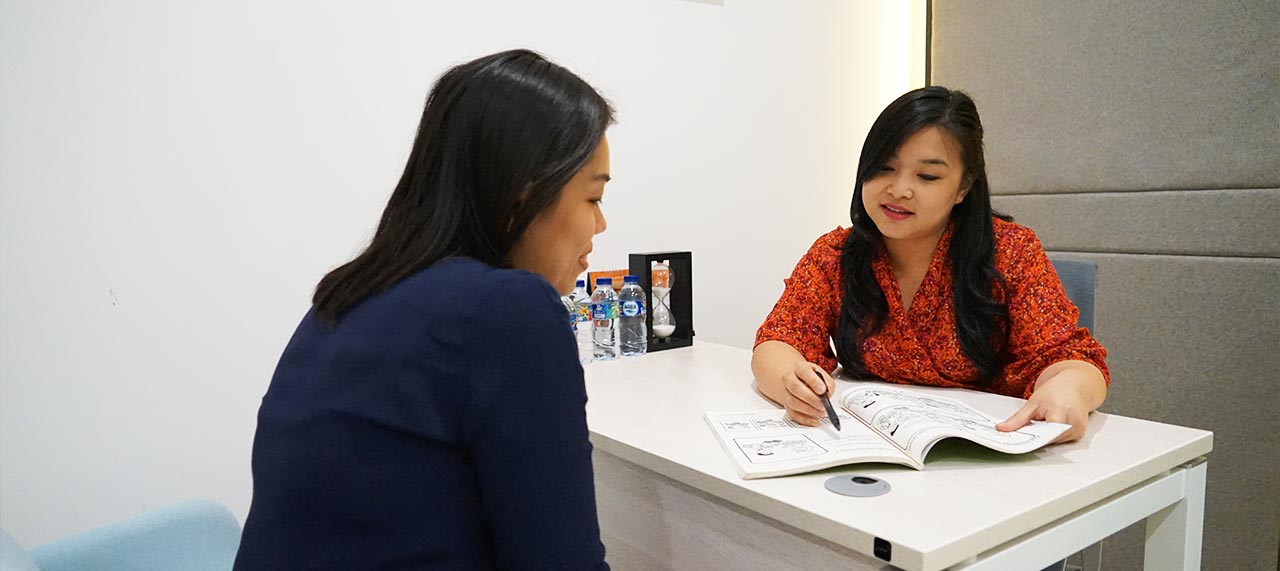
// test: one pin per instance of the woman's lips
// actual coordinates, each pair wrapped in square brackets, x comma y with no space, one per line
[895,212]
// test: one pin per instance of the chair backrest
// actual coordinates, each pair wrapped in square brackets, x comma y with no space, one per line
[1079,280]
[193,536]
[13,557]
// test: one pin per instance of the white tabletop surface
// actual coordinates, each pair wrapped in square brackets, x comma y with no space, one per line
[649,410]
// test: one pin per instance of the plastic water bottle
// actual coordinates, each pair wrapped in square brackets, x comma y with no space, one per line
[581,301]
[573,313]
[604,320]
[635,340]
[577,326]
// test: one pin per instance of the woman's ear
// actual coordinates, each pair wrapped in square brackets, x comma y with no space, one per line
[517,205]
[964,190]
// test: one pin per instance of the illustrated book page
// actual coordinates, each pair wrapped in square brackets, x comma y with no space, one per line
[880,422]
[914,421]
[764,443]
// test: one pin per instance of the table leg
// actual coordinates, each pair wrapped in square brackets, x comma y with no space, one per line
[1174,533]
[1092,558]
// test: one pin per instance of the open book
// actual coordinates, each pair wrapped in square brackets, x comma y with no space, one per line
[880,423]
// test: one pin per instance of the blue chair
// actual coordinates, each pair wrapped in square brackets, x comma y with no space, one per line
[192,536]
[1079,279]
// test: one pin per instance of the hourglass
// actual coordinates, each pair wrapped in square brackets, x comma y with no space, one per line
[668,276]
[664,323]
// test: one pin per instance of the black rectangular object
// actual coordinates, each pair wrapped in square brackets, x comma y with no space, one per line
[882,549]
[681,297]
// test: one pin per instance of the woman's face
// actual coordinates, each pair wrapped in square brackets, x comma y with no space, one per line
[558,240]
[910,199]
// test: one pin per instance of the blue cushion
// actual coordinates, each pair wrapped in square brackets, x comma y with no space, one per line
[193,536]
[13,557]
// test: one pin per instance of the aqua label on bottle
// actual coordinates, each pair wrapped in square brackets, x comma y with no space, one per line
[632,308]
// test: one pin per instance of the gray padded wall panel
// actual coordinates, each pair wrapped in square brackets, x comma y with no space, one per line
[1163,319]
[1134,131]
[1103,96]
[1200,223]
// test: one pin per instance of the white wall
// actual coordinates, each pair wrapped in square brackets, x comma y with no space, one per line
[176,176]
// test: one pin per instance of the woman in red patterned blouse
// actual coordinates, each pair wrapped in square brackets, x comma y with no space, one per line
[929,286]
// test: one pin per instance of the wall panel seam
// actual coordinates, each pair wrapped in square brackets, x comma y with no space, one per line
[928,42]
[1134,191]
[1235,257]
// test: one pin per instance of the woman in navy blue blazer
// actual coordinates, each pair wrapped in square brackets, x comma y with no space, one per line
[428,412]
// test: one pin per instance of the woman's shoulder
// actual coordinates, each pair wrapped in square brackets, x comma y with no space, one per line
[1013,239]
[477,288]
[831,243]
[516,290]
[1019,254]
[825,251]
[835,237]
[1008,229]
[475,274]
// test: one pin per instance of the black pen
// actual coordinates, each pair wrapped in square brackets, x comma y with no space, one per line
[831,412]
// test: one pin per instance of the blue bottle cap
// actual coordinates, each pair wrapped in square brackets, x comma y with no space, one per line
[631,280]
[604,281]
[581,283]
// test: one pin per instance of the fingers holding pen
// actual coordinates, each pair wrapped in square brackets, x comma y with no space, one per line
[804,387]
[802,404]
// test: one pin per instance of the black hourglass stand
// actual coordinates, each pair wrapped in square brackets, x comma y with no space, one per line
[680,299]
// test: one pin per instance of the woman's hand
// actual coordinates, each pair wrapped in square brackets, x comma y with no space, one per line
[1065,392]
[804,383]
[785,377]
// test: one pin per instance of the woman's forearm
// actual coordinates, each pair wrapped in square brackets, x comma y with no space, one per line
[770,362]
[1081,375]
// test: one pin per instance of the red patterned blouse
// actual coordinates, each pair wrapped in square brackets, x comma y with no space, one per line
[919,346]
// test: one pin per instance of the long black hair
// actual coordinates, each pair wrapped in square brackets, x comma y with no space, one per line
[499,139]
[981,320]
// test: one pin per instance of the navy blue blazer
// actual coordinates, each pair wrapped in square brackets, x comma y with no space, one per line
[437,425]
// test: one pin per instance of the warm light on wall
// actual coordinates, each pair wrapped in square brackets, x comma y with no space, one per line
[918,36]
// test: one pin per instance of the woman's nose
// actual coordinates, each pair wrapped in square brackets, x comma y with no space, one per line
[900,187]
[898,191]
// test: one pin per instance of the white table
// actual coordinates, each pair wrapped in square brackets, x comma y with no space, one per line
[669,497]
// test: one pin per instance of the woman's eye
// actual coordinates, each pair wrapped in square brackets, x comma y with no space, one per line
[886,168]
[929,177]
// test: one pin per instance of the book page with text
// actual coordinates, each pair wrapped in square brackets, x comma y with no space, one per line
[916,421]
[764,443]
